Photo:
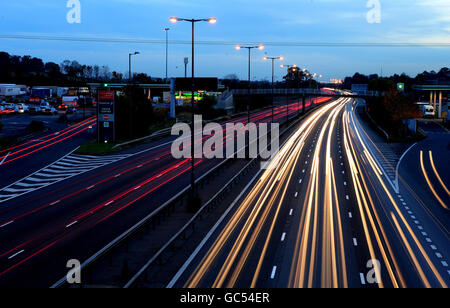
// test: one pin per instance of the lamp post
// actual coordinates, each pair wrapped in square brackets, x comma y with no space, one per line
[273,68]
[129,63]
[193,21]
[167,51]
[239,47]
[294,69]
[130,80]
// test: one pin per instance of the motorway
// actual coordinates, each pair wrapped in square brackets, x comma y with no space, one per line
[18,161]
[42,229]
[327,215]
[324,214]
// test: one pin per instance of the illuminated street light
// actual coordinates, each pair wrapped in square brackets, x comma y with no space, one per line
[239,47]
[193,21]
[273,67]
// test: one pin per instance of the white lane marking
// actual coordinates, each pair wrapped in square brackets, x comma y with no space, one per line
[290,212]
[210,233]
[4,158]
[116,176]
[347,197]
[90,187]
[16,254]
[438,255]
[283,236]
[355,242]
[296,194]
[444,263]
[300,181]
[136,188]
[56,202]
[433,247]
[398,166]
[363,280]
[428,240]
[110,202]
[8,223]
[350,215]
[303,171]
[274,270]
[70,225]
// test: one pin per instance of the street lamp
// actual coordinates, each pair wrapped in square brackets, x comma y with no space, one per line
[294,69]
[167,51]
[193,21]
[273,67]
[239,47]
[129,62]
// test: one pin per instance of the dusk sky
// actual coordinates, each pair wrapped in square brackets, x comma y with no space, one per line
[278,23]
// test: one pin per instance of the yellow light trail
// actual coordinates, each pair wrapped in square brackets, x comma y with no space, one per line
[259,203]
[405,242]
[427,179]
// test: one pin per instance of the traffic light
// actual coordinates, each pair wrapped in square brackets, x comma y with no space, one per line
[401,87]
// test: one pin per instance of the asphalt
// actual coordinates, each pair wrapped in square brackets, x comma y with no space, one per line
[293,228]
[73,219]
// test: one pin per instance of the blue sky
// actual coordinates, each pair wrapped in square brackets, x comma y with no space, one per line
[283,21]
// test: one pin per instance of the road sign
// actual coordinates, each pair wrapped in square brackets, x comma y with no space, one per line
[206,84]
[105,116]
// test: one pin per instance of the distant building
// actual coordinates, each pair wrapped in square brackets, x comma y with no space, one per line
[12,90]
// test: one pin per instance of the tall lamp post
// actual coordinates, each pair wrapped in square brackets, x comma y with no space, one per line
[193,21]
[167,51]
[273,68]
[129,63]
[294,69]
[239,47]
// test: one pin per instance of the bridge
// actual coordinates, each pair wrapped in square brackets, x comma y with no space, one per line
[306,92]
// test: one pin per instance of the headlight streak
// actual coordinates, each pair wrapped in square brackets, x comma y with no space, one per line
[260,115]
[427,179]
[301,274]
[437,174]
[363,203]
[259,203]
[399,231]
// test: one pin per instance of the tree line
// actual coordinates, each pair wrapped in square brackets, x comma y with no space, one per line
[32,71]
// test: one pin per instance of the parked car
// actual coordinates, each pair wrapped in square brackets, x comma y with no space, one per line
[63,108]
[49,110]
[33,109]
[9,107]
[22,108]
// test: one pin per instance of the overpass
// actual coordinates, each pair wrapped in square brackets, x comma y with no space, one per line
[306,92]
